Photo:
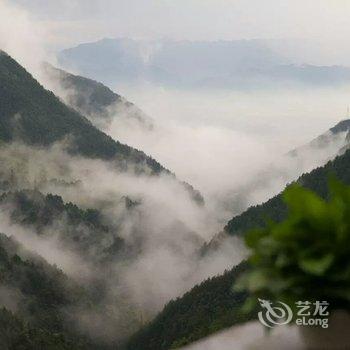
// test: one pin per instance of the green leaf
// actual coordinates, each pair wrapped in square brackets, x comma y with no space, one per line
[316,266]
[303,202]
[257,280]
[249,305]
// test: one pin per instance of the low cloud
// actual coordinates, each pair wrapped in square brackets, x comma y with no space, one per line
[164,231]
[231,145]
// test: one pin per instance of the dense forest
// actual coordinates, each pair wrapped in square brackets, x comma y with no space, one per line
[41,296]
[84,231]
[205,309]
[48,302]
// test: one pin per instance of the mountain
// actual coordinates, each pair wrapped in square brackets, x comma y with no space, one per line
[336,165]
[41,294]
[208,307]
[35,116]
[276,210]
[279,76]
[65,263]
[114,61]
[62,310]
[212,295]
[273,177]
[39,212]
[93,99]
[31,114]
[240,64]
[325,140]
[45,298]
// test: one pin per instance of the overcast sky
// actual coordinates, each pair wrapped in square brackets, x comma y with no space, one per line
[86,20]
[322,25]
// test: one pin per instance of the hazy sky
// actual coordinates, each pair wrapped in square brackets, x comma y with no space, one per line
[73,21]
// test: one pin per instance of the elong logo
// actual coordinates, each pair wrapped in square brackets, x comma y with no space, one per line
[308,314]
[274,315]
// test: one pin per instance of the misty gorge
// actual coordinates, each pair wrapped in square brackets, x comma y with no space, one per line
[136,151]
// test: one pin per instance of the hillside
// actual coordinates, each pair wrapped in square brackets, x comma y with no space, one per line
[35,116]
[278,172]
[40,294]
[325,140]
[256,216]
[15,333]
[50,300]
[93,99]
[84,230]
[275,209]
[207,308]
[71,261]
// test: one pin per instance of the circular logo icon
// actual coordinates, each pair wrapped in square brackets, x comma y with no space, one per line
[274,315]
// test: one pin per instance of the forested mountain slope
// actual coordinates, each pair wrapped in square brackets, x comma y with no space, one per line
[42,297]
[48,148]
[256,216]
[82,231]
[93,99]
[78,307]
[276,210]
[35,116]
[325,140]
[207,308]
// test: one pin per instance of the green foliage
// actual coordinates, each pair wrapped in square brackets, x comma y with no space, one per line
[305,257]
[205,309]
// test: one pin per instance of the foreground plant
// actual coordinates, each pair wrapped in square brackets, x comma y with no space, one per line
[305,257]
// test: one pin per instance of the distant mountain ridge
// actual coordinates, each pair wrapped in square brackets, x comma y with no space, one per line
[164,61]
[240,64]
